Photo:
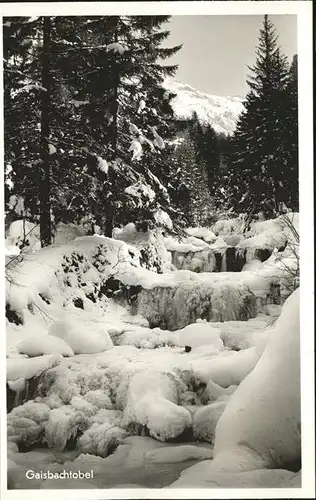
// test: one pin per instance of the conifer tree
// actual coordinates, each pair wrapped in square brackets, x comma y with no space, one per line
[206,146]
[195,202]
[107,116]
[258,170]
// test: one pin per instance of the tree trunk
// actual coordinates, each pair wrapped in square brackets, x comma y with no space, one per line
[109,209]
[45,205]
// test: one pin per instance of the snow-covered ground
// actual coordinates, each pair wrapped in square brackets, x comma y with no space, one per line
[146,371]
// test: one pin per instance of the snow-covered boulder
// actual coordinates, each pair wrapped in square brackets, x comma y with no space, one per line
[80,338]
[35,345]
[204,233]
[200,334]
[152,402]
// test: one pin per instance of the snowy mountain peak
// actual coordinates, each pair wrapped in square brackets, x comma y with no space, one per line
[220,112]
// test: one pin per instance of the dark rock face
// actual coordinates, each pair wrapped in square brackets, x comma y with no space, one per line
[263,254]
[218,257]
[114,288]
[12,316]
[78,302]
[235,259]
[274,295]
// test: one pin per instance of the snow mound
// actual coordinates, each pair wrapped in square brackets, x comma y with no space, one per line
[200,476]
[33,346]
[152,403]
[81,339]
[204,233]
[200,334]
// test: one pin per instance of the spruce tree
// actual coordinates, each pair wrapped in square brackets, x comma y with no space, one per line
[207,153]
[195,202]
[291,187]
[258,171]
[106,122]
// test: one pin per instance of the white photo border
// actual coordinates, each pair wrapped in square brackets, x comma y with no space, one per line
[303,11]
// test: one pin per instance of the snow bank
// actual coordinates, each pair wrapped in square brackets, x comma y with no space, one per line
[186,245]
[200,476]
[272,233]
[60,271]
[260,426]
[264,412]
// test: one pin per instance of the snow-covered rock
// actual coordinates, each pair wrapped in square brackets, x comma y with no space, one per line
[150,244]
[200,334]
[204,233]
[80,337]
[152,402]
[36,345]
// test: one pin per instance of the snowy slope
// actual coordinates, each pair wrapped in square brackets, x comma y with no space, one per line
[220,112]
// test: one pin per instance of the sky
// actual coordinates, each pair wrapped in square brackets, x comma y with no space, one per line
[217,49]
